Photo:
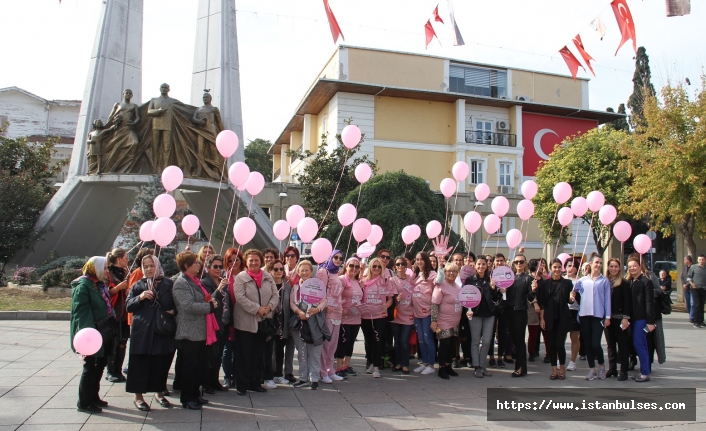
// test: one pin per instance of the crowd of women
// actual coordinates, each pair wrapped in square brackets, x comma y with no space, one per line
[243,314]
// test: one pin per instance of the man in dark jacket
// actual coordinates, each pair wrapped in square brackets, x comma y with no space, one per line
[697,281]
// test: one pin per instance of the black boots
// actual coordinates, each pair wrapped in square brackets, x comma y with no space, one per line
[450,371]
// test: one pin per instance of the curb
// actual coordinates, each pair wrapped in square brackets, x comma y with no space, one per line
[35,315]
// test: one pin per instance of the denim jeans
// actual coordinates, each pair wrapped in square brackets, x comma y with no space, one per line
[639,340]
[687,301]
[426,339]
[401,334]
[229,359]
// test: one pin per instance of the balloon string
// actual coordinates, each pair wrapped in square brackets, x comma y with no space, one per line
[576,239]
[237,211]
[425,244]
[446,217]
[514,250]
[356,209]
[339,237]
[343,169]
[583,254]
[129,270]
[497,243]
[556,248]
[250,206]
[215,208]
[454,209]
[230,213]
[544,247]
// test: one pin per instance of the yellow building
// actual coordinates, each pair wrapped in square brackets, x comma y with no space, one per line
[422,113]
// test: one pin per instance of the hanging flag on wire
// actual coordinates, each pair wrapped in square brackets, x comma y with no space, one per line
[458,39]
[598,26]
[586,57]
[333,24]
[625,23]
[678,7]
[436,15]
[430,33]
[571,61]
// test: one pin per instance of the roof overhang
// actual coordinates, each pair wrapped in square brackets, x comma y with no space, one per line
[324,89]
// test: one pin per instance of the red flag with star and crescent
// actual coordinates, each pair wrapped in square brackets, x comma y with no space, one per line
[586,56]
[571,61]
[333,24]
[625,23]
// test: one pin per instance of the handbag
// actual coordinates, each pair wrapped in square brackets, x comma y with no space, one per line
[166,324]
[265,326]
[108,328]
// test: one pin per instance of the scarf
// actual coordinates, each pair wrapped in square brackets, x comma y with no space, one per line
[104,293]
[329,265]
[256,277]
[366,285]
[211,322]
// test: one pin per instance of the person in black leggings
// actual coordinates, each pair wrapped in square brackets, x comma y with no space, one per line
[522,290]
[555,316]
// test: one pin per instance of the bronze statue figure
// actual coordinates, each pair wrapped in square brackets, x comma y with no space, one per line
[158,109]
[95,147]
[209,118]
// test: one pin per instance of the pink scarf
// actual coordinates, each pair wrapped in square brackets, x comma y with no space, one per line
[211,322]
[256,277]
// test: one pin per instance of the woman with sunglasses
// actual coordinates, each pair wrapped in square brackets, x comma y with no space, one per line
[555,316]
[403,322]
[234,266]
[351,298]
[572,268]
[328,274]
[376,300]
[617,336]
[643,313]
[421,300]
[517,296]
[291,258]
[446,317]
[482,317]
[284,340]
[216,284]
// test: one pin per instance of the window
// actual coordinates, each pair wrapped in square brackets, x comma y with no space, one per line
[477,171]
[504,173]
[477,81]
[484,132]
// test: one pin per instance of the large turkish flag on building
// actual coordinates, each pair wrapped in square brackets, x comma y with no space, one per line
[541,133]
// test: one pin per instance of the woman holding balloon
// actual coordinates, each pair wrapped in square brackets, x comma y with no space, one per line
[642,318]
[445,318]
[617,336]
[377,298]
[555,316]
[482,316]
[234,265]
[90,306]
[520,292]
[403,322]
[328,274]
[421,300]
[351,298]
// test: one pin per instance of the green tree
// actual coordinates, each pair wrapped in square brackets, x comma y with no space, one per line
[588,162]
[620,124]
[392,201]
[667,163]
[257,159]
[322,173]
[641,87]
[26,174]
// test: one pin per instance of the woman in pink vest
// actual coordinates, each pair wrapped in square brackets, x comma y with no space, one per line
[328,273]
[446,317]
[377,298]
[350,317]
[421,300]
[404,314]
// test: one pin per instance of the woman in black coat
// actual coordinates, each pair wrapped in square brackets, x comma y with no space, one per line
[216,284]
[555,316]
[151,344]
[617,336]
[516,297]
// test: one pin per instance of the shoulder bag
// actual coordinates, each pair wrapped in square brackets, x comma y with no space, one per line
[165,323]
[265,326]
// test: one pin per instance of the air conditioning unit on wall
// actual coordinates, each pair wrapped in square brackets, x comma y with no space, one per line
[522,98]
[502,125]
[505,190]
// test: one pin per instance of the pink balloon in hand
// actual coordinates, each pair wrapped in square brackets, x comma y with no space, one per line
[595,200]
[565,216]
[472,221]
[307,228]
[622,231]
[579,206]
[238,173]
[321,249]
[244,230]
[416,231]
[172,177]
[350,135]
[255,184]
[433,229]
[513,238]
[190,224]
[407,235]
[607,214]
[281,229]
[375,235]
[562,192]
[227,143]
[146,231]
[642,243]
[87,341]
[361,229]
[363,173]
[500,206]
[347,214]
[491,223]
[529,189]
[482,192]
[525,209]
[563,257]
[447,187]
[163,231]
[460,170]
[294,215]
[164,205]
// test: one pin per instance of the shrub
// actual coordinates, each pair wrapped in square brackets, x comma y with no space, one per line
[69,275]
[52,278]
[74,264]
[56,263]
[25,275]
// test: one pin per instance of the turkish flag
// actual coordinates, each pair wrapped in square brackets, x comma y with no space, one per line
[625,23]
[430,33]
[333,24]
[571,61]
[436,15]
[586,57]
[541,133]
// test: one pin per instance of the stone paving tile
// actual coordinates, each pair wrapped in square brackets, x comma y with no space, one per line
[226,426]
[332,411]
[177,426]
[42,381]
[5,389]
[112,427]
[446,420]
[34,391]
[15,411]
[281,414]
[294,425]
[380,409]
[173,415]
[396,423]
[347,424]
[227,414]
[317,398]
[52,427]
[422,407]
[57,416]
[367,397]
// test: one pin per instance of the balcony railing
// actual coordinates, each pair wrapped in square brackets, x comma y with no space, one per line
[295,155]
[276,174]
[490,138]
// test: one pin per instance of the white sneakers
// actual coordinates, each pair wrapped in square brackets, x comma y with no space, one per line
[571,366]
[370,369]
[270,384]
[326,379]
[335,377]
[420,368]
[376,374]
[281,381]
[429,370]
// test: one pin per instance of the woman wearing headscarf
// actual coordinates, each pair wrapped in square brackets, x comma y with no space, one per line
[328,274]
[151,345]
[235,264]
[216,284]
[555,316]
[351,298]
[255,300]
[90,304]
[482,317]
[117,286]
[196,328]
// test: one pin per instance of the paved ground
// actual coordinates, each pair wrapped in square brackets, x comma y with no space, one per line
[39,379]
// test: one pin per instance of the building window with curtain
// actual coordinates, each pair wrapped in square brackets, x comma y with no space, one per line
[505,176]
[477,81]
[477,171]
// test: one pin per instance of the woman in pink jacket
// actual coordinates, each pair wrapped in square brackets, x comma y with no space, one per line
[350,317]
[328,273]
[377,298]
[404,314]
[446,317]
[421,300]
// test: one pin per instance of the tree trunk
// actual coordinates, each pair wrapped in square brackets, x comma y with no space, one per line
[686,228]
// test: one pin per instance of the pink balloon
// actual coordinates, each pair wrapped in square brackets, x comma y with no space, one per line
[361,229]
[163,231]
[460,171]
[513,238]
[88,341]
[500,205]
[350,135]
[407,234]
[321,249]
[238,173]
[375,234]
[294,215]
[491,223]
[579,206]
[307,228]
[363,173]
[642,243]
[146,231]
[281,229]
[595,200]
[565,216]
[622,231]
[482,192]
[244,230]
[607,214]
[347,214]
[255,184]
[529,189]
[164,205]
[562,257]
[562,192]
[190,224]
[525,209]
[433,229]
[447,187]
[243,186]
[472,221]
[227,143]
[416,231]
[172,176]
